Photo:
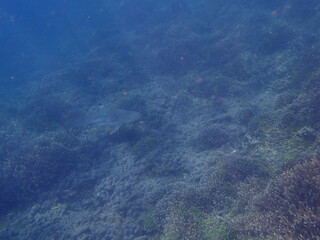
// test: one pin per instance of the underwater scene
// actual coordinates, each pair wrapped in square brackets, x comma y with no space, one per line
[159,120]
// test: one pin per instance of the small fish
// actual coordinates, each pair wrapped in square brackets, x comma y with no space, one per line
[114,118]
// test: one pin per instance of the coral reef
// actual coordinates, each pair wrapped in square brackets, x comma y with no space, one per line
[288,208]
[33,169]
[229,96]
[213,137]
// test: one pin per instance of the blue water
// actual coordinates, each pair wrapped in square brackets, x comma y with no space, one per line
[159,120]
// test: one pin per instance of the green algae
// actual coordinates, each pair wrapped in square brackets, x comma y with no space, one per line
[150,223]
[215,228]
